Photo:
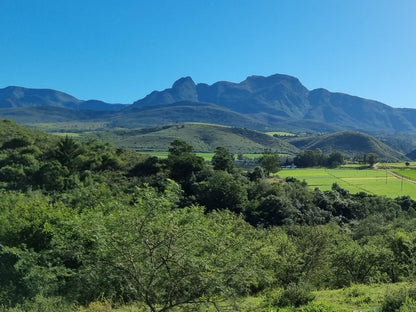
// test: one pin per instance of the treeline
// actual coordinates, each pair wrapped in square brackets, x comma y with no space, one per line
[82,222]
[316,158]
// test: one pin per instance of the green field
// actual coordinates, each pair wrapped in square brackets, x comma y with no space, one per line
[370,181]
[397,165]
[407,173]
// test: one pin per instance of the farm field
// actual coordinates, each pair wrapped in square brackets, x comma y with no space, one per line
[407,173]
[371,181]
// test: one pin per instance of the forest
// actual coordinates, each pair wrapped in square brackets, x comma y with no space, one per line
[85,222]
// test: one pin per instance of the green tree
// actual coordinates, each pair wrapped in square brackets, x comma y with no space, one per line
[161,256]
[222,191]
[334,159]
[66,151]
[52,176]
[223,159]
[358,264]
[371,159]
[183,164]
[270,162]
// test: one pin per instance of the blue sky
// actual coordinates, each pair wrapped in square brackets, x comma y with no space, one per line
[119,51]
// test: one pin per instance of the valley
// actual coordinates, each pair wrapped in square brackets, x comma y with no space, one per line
[251,196]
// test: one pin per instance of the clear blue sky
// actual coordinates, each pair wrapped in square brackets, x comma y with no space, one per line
[119,51]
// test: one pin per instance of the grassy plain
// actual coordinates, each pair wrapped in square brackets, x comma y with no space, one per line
[371,181]
[407,173]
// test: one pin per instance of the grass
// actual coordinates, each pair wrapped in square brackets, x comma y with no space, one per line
[398,165]
[371,181]
[365,298]
[407,173]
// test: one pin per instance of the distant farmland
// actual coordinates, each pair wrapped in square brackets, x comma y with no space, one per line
[371,181]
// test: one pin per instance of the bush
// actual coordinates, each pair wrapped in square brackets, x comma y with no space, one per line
[400,300]
[317,307]
[408,306]
[295,295]
[43,304]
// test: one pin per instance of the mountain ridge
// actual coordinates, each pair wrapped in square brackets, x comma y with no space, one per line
[261,102]
[15,96]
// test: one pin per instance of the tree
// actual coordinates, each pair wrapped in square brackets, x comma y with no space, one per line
[179,147]
[371,158]
[67,150]
[334,159]
[309,158]
[222,191]
[161,256]
[183,163]
[354,263]
[52,176]
[223,159]
[270,162]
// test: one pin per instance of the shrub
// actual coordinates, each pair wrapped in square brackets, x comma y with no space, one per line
[317,307]
[294,295]
[400,300]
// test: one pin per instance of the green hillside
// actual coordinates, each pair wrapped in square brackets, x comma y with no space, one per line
[348,142]
[203,137]
[11,133]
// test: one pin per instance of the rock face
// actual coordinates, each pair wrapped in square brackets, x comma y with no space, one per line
[183,89]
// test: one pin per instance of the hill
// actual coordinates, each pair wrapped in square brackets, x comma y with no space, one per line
[12,134]
[52,114]
[183,111]
[348,142]
[203,137]
[12,97]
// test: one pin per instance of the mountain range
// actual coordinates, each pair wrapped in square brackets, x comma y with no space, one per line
[263,103]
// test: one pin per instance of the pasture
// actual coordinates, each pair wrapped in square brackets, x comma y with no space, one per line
[379,182]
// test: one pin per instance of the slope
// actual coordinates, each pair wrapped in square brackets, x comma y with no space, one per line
[12,97]
[348,142]
[203,137]
[12,133]
[183,111]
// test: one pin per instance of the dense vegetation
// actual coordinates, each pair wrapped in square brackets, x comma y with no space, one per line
[82,222]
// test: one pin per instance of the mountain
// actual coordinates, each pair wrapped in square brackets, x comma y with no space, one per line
[14,97]
[351,143]
[276,102]
[281,101]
